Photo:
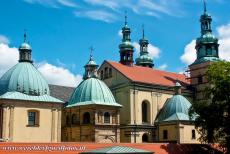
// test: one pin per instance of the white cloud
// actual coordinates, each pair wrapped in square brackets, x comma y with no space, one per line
[68,3]
[163,67]
[107,3]
[223,33]
[53,74]
[120,33]
[189,55]
[4,39]
[154,51]
[53,3]
[9,57]
[59,75]
[97,15]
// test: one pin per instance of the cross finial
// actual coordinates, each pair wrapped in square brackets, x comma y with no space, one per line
[25,35]
[126,17]
[205,6]
[91,52]
[143,31]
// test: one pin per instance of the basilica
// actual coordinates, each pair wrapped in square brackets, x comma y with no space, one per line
[127,101]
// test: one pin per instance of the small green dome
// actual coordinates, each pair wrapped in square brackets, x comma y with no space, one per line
[24,78]
[25,46]
[92,91]
[175,109]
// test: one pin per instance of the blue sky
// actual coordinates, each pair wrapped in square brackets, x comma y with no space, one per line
[62,31]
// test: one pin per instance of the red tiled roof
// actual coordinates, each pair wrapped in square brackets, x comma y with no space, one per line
[68,148]
[149,75]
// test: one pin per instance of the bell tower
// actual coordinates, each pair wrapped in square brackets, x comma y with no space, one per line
[207,51]
[126,47]
[144,59]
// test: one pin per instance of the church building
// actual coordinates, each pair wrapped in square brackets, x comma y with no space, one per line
[127,101]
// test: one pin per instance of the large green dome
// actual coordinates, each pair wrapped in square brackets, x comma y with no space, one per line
[175,109]
[24,78]
[92,91]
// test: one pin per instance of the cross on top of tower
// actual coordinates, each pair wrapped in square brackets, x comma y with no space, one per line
[205,6]
[143,31]
[126,18]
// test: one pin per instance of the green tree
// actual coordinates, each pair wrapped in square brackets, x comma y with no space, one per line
[213,122]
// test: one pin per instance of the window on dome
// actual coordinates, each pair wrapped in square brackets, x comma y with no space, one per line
[86,118]
[74,119]
[193,134]
[106,117]
[33,118]
[165,134]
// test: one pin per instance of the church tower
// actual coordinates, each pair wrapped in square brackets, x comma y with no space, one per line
[144,59]
[126,47]
[207,52]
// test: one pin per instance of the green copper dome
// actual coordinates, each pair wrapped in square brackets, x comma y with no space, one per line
[92,91]
[24,78]
[175,109]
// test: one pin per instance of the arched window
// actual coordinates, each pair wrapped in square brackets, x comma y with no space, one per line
[86,118]
[145,112]
[74,119]
[193,134]
[67,120]
[145,138]
[33,118]
[106,117]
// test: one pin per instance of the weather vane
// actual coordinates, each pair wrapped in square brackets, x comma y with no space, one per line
[24,35]
[143,30]
[91,51]
[125,17]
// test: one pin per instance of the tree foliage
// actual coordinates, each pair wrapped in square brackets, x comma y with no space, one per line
[213,122]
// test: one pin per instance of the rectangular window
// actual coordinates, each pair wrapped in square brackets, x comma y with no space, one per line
[33,118]
[193,134]
[165,134]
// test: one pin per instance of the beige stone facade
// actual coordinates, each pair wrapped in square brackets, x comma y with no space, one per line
[177,132]
[15,121]
[91,123]
[141,103]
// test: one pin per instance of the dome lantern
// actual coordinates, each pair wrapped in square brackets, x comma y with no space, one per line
[25,51]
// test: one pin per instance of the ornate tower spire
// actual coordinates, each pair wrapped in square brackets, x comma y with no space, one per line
[207,46]
[91,67]
[144,59]
[25,51]
[126,47]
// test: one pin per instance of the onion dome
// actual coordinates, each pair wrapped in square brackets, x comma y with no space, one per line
[207,44]
[175,109]
[126,47]
[24,77]
[144,59]
[92,90]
